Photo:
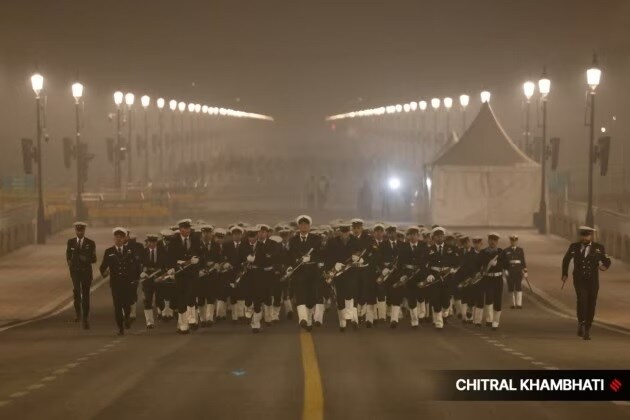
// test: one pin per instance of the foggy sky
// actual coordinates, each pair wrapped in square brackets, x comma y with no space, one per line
[302,60]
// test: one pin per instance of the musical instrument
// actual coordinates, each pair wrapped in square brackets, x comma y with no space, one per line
[347,265]
[292,270]
[382,278]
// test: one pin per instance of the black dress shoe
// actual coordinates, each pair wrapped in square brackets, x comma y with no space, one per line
[587,333]
[86,324]
[368,324]
[303,324]
[355,325]
[488,324]
[414,327]
[150,327]
[127,323]
[580,331]
[512,306]
[342,329]
[393,325]
[519,307]
[289,315]
[309,328]
[120,332]
[317,324]
[194,326]
[459,316]
[255,330]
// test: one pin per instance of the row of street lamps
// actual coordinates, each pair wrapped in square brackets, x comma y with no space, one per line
[593,78]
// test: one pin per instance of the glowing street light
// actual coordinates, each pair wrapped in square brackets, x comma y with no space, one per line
[37,83]
[422,105]
[160,103]
[464,100]
[118,98]
[528,89]
[181,106]
[77,93]
[593,77]
[145,101]
[394,183]
[435,103]
[172,104]
[485,96]
[448,103]
[544,87]
[129,99]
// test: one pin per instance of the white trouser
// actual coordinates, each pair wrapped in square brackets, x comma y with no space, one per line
[459,308]
[496,318]
[240,306]
[275,313]
[256,317]
[477,315]
[319,313]
[342,317]
[267,311]
[191,314]
[381,310]
[182,323]
[202,313]
[421,310]
[221,308]
[395,312]
[148,315]
[349,306]
[413,313]
[369,314]
[167,309]
[487,309]
[519,298]
[288,305]
[132,311]
[438,321]
[302,313]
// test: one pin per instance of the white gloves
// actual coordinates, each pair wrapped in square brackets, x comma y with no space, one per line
[194,260]
[453,270]
[338,266]
[525,274]
[493,262]
[306,259]
[251,258]
[227,266]
[201,273]
[320,265]
[505,273]
[171,271]
[209,264]
[289,270]
[143,275]
[106,273]
[360,261]
[181,262]
[355,258]
[385,271]
[430,278]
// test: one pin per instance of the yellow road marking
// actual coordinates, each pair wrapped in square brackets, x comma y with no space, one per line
[313,393]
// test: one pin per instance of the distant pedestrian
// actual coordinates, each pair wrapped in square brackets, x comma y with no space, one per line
[80,255]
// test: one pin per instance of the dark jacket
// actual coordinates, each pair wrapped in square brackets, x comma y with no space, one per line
[80,260]
[123,269]
[585,268]
[336,251]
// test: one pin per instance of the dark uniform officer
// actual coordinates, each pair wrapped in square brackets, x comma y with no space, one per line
[265,257]
[206,287]
[286,261]
[365,277]
[122,264]
[443,260]
[222,282]
[588,259]
[470,267]
[138,248]
[153,263]
[387,256]
[305,248]
[80,255]
[516,270]
[183,255]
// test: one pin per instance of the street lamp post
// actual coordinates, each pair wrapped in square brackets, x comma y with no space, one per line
[422,105]
[77,93]
[485,97]
[544,86]
[528,89]
[181,107]
[464,100]
[118,100]
[160,104]
[172,105]
[448,104]
[37,83]
[435,104]
[593,77]
[145,101]
[129,100]
[191,142]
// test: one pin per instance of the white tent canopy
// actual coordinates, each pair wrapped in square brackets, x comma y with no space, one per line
[484,179]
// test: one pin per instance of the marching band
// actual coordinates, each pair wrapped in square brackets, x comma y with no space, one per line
[199,274]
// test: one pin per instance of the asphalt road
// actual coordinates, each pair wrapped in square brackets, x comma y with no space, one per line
[50,369]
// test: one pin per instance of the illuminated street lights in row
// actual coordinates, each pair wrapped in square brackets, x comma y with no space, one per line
[464,100]
[544,87]
[528,90]
[408,107]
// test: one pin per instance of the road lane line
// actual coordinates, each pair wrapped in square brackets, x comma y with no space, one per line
[313,393]
[49,378]
[36,386]
[60,371]
[3,403]
[18,394]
